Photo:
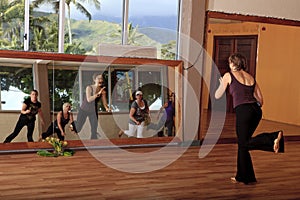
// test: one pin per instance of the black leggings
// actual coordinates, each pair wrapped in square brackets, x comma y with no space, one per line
[93,118]
[23,121]
[53,129]
[248,117]
[170,126]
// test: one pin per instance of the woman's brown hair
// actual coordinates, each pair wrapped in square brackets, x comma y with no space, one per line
[238,60]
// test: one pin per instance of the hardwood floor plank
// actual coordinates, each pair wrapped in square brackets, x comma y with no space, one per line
[29,176]
[83,176]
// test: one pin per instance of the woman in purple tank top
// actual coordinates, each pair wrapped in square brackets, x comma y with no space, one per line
[247,102]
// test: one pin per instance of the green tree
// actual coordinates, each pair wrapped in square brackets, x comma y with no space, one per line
[78,5]
[12,19]
[11,22]
[168,50]
[133,34]
[20,78]
[43,37]
[61,87]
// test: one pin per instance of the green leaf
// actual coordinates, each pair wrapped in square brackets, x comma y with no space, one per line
[45,153]
[69,152]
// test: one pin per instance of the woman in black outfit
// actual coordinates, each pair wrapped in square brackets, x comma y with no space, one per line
[247,102]
[58,126]
[30,108]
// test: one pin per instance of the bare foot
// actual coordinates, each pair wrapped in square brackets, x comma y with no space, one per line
[233,180]
[121,133]
[276,141]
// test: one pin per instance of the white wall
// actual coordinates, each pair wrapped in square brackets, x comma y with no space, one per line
[284,9]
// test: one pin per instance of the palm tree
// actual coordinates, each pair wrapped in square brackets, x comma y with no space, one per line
[78,5]
[11,22]
[133,34]
[168,50]
[82,9]
[3,8]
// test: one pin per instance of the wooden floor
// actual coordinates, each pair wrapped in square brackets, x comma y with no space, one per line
[111,174]
[28,176]
[228,135]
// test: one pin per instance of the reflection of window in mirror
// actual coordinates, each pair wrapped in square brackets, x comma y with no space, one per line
[61,83]
[122,88]
[87,77]
[150,82]
[68,84]
[16,84]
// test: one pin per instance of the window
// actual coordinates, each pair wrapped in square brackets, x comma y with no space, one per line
[151,83]
[154,23]
[125,82]
[68,84]
[16,84]
[87,24]
[11,24]
[101,23]
[123,87]
[86,78]
[61,86]
[43,26]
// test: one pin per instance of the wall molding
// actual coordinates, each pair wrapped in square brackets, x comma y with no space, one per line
[252,18]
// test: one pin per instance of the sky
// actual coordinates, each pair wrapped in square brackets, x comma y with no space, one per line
[136,7]
[149,7]
[13,99]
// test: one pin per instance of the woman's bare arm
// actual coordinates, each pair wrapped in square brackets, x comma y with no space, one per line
[258,94]
[224,82]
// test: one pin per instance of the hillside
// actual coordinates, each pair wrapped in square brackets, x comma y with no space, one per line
[89,34]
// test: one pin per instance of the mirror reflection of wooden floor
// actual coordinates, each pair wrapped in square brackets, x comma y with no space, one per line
[28,176]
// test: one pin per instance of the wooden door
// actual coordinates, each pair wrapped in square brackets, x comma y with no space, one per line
[224,46]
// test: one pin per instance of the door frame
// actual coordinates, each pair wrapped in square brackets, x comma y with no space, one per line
[234,47]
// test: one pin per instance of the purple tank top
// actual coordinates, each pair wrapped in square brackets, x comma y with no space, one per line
[241,93]
[170,110]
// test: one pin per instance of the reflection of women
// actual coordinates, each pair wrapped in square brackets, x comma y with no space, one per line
[167,119]
[170,113]
[89,106]
[30,108]
[139,108]
[247,102]
[58,126]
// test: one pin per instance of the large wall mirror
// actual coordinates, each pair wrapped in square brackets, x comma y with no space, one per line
[64,78]
[271,49]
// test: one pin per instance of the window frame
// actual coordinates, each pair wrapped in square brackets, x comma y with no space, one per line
[61,24]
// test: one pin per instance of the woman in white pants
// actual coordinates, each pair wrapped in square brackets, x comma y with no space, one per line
[139,109]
